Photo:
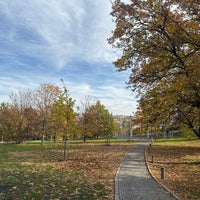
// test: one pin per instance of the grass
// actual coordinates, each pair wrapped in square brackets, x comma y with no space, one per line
[181,160]
[33,171]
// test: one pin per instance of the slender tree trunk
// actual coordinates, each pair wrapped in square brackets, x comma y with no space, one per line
[42,140]
[197,132]
[65,149]
[84,138]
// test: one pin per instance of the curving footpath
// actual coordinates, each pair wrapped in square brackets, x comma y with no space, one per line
[133,181]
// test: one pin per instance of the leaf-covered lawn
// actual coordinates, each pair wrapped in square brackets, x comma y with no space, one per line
[33,171]
[182,166]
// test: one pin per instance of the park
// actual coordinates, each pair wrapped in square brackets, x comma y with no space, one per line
[54,147]
[34,171]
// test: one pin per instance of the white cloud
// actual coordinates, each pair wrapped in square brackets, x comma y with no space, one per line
[58,31]
[118,99]
[42,41]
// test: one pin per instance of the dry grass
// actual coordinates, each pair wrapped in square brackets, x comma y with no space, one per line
[181,161]
[32,171]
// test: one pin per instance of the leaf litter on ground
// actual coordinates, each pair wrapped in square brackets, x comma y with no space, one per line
[40,173]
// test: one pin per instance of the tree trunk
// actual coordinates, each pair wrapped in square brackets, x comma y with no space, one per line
[197,132]
[42,139]
[65,149]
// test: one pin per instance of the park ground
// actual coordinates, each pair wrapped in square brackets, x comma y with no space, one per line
[35,171]
[181,161]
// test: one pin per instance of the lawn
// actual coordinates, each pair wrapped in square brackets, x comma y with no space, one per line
[32,171]
[181,160]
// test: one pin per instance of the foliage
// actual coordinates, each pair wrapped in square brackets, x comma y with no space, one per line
[48,113]
[126,126]
[18,119]
[160,44]
[103,121]
[64,117]
[116,127]
[7,122]
[96,121]
[86,122]
[44,98]
[63,113]
[19,103]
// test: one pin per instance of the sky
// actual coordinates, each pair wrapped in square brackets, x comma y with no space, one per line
[44,41]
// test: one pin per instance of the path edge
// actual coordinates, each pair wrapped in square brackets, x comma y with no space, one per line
[116,185]
[151,174]
[116,190]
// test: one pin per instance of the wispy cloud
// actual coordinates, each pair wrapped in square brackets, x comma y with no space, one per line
[45,40]
[57,31]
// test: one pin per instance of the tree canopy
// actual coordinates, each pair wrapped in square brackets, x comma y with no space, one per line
[160,44]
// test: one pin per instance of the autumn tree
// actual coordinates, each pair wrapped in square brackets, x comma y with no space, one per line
[33,123]
[126,125]
[103,121]
[45,97]
[116,127]
[64,115]
[167,111]
[7,123]
[160,45]
[87,116]
[20,102]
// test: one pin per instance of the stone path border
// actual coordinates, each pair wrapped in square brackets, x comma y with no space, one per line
[133,181]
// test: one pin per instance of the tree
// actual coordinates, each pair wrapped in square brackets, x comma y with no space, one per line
[65,116]
[20,102]
[103,121]
[45,97]
[86,123]
[116,127]
[95,120]
[158,109]
[160,44]
[7,123]
[126,126]
[63,110]
[33,122]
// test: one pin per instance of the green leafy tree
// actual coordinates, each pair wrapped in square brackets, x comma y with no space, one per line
[160,45]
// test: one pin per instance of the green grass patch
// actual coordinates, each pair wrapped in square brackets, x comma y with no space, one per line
[178,141]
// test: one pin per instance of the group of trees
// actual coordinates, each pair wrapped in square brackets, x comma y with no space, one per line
[48,113]
[160,44]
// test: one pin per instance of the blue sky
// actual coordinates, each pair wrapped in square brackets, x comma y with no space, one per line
[42,41]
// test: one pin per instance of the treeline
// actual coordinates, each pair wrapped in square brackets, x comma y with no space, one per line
[48,113]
